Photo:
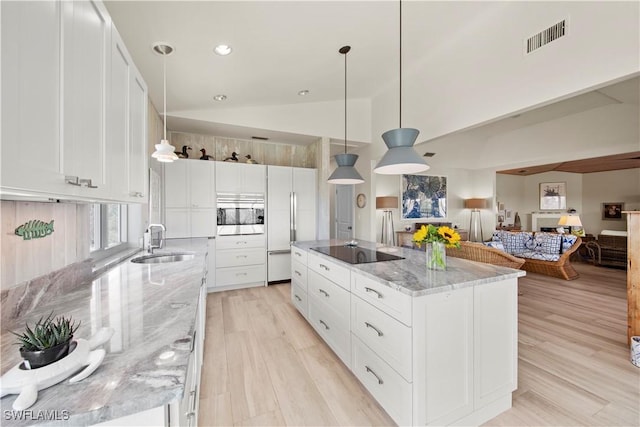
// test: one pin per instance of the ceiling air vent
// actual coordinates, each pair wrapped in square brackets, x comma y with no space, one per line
[261,138]
[545,37]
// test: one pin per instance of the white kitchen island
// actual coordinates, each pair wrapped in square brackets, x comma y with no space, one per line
[433,347]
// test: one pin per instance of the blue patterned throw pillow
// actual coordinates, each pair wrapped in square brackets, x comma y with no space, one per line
[495,244]
[567,241]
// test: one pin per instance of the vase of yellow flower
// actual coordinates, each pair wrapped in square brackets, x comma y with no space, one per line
[436,240]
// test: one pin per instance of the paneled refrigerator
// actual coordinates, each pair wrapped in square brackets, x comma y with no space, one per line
[291,215]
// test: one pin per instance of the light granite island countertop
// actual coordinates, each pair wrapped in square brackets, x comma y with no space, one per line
[432,347]
[152,308]
[411,276]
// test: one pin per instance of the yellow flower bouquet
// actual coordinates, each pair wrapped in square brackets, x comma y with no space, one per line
[436,238]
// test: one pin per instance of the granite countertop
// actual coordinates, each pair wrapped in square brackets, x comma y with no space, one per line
[152,308]
[411,276]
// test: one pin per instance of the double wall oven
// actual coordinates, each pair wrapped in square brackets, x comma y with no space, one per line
[240,214]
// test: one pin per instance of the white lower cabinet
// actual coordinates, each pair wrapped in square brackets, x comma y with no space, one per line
[299,298]
[240,262]
[391,391]
[440,359]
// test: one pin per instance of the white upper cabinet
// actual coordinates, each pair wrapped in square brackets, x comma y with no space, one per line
[118,117]
[189,198]
[76,128]
[31,151]
[85,58]
[126,126]
[138,173]
[240,178]
[201,178]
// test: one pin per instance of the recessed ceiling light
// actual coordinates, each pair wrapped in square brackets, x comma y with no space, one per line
[222,49]
[220,97]
[303,92]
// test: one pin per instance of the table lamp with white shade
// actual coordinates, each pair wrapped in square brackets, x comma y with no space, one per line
[570,221]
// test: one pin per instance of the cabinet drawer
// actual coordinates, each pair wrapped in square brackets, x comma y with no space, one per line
[331,329]
[299,299]
[299,273]
[239,257]
[238,242]
[390,301]
[299,255]
[387,337]
[329,269]
[391,391]
[329,293]
[240,275]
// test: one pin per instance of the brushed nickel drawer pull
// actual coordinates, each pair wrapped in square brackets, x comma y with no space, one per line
[325,325]
[322,291]
[298,273]
[325,267]
[298,253]
[369,325]
[298,298]
[379,295]
[374,374]
[241,256]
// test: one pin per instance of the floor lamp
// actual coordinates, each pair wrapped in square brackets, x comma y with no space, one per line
[386,204]
[475,222]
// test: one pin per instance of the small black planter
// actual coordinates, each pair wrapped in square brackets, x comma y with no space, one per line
[40,358]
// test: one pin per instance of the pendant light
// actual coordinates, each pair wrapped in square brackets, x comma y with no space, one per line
[165,152]
[400,157]
[345,173]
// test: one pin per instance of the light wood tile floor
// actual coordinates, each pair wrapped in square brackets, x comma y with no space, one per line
[264,365]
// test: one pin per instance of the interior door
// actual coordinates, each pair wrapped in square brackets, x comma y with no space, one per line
[344,212]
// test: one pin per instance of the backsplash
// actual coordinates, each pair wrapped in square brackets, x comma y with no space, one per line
[25,260]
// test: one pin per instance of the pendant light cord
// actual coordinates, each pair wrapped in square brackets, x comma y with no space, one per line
[345,103]
[164,72]
[400,60]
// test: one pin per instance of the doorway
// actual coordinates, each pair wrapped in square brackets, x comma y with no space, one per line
[344,212]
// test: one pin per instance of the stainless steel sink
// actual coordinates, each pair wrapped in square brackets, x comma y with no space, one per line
[162,258]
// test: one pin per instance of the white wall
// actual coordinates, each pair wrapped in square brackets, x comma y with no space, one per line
[615,186]
[585,193]
[461,184]
[483,74]
[322,119]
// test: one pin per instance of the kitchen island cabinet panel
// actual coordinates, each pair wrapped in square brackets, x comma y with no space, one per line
[390,339]
[443,357]
[495,341]
[433,347]
[391,391]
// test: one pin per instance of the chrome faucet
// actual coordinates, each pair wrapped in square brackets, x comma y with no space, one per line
[151,246]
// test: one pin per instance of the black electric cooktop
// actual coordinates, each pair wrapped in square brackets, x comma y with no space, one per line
[356,255]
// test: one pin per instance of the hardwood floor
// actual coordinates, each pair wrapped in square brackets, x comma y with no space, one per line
[264,365]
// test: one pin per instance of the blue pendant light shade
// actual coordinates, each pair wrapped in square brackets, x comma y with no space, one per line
[400,157]
[345,173]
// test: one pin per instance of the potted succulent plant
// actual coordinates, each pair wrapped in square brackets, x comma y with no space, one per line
[47,342]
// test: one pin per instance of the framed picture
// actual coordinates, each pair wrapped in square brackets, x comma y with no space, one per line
[423,196]
[612,210]
[553,195]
